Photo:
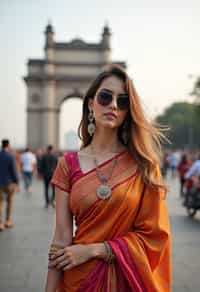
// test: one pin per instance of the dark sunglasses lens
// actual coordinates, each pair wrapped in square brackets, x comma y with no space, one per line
[104,98]
[123,102]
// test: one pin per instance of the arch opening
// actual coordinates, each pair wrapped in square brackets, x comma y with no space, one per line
[69,120]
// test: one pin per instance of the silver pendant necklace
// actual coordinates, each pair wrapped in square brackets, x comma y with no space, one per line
[103,191]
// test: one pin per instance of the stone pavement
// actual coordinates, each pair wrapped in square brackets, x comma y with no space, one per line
[23,250]
[185,243]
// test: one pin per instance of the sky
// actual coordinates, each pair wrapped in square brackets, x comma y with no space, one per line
[159,40]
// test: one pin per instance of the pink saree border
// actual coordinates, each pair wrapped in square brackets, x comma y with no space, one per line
[128,276]
[72,160]
[127,266]
[100,164]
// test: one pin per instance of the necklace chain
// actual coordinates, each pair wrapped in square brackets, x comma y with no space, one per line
[102,178]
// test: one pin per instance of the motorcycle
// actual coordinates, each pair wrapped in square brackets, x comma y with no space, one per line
[191,195]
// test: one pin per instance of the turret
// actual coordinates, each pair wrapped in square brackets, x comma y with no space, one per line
[106,37]
[49,41]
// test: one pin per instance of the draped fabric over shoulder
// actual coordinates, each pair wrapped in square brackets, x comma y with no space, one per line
[134,221]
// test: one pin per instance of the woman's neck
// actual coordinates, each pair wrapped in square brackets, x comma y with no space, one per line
[106,141]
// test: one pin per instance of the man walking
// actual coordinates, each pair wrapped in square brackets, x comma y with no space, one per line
[47,167]
[8,181]
[29,163]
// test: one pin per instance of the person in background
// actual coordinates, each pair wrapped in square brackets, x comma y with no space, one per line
[174,158]
[47,166]
[29,164]
[182,168]
[194,170]
[164,164]
[39,155]
[17,156]
[8,181]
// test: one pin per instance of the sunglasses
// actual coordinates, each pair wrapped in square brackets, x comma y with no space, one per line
[105,98]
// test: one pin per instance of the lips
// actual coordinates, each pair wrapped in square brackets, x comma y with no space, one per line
[110,114]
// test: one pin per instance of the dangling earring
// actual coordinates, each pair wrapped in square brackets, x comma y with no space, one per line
[91,125]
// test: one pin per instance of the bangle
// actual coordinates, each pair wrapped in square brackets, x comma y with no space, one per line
[107,251]
[53,249]
[110,257]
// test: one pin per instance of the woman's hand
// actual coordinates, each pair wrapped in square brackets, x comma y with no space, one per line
[70,256]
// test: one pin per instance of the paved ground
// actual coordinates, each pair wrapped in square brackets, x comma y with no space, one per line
[23,251]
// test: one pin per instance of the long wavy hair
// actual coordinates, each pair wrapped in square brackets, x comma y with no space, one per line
[144,137]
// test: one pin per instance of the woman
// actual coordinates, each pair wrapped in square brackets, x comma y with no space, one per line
[113,189]
[183,167]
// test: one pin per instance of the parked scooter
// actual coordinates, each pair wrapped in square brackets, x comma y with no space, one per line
[191,194]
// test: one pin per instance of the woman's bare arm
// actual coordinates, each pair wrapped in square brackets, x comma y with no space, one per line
[62,235]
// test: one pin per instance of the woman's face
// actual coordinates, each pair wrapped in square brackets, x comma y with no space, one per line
[109,116]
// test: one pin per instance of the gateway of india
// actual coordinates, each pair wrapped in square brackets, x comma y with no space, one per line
[65,72]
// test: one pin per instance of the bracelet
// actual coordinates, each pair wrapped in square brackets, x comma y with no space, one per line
[53,249]
[110,257]
[107,251]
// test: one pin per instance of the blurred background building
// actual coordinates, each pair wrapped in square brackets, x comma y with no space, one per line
[65,72]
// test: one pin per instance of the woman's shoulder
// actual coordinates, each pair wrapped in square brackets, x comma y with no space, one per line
[69,154]
[71,160]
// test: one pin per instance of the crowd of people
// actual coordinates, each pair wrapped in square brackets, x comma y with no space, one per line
[21,166]
[184,164]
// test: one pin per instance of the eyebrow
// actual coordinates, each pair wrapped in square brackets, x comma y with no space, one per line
[105,89]
[110,91]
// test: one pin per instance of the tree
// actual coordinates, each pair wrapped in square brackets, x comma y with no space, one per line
[184,125]
[196,93]
[196,90]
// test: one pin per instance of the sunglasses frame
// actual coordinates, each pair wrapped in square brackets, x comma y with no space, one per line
[108,92]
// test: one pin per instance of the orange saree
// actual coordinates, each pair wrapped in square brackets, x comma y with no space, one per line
[133,220]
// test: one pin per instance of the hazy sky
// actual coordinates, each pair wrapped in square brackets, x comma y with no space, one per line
[158,39]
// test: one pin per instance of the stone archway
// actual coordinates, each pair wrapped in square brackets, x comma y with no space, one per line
[66,71]
[69,121]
